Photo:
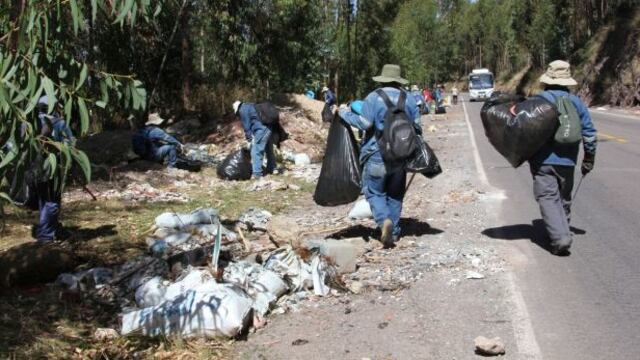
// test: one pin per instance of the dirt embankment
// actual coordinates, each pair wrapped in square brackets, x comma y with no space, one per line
[607,68]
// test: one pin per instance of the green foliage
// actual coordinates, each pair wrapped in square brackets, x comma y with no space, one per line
[43,52]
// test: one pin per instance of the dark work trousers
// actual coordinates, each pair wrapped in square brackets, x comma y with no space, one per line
[552,186]
[49,206]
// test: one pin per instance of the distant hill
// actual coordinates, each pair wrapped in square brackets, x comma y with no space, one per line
[607,68]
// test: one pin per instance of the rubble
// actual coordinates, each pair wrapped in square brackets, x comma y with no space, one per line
[489,347]
[255,218]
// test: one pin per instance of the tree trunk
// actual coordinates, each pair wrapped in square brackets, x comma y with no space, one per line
[186,59]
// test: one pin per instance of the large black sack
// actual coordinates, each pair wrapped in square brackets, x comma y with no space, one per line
[236,166]
[518,137]
[424,161]
[340,176]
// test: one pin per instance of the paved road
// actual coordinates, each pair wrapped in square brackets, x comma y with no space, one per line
[587,305]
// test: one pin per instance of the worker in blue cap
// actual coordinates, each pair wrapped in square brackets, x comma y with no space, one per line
[48,196]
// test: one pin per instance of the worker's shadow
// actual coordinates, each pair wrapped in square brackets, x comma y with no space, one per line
[535,232]
[410,227]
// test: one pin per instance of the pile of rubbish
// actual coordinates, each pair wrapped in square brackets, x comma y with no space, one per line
[202,153]
[144,192]
[211,294]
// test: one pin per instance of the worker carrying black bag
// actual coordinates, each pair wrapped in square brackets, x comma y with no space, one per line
[340,177]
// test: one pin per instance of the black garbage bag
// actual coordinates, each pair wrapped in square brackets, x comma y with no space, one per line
[340,176]
[327,115]
[424,161]
[518,137]
[236,166]
[191,165]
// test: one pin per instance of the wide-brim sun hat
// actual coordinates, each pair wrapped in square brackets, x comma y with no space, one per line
[558,73]
[414,88]
[325,89]
[390,73]
[154,119]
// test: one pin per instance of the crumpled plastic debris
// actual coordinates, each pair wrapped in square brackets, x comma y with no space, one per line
[299,274]
[177,221]
[85,280]
[256,218]
[264,286]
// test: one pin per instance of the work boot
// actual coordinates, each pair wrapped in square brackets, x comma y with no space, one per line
[561,247]
[387,234]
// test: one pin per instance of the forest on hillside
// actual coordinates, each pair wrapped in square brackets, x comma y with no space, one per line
[109,62]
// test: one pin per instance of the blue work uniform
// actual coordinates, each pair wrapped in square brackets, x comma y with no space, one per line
[329,97]
[382,185]
[552,169]
[261,139]
[48,196]
[154,144]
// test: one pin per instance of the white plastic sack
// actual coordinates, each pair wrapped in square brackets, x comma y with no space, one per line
[177,221]
[361,210]
[195,279]
[217,311]
[301,159]
[151,293]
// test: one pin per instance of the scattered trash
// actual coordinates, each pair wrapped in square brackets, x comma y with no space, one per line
[361,210]
[203,153]
[264,286]
[144,192]
[85,280]
[489,347]
[299,274]
[383,325]
[299,342]
[474,275]
[271,185]
[103,334]
[255,218]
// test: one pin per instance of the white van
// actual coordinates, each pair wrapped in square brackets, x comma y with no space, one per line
[480,84]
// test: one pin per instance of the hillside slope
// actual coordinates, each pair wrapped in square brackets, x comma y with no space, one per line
[607,68]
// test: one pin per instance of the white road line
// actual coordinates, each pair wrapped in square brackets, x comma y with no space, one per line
[523,329]
[614,114]
[476,153]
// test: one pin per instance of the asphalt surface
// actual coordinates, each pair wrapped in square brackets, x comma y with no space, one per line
[586,305]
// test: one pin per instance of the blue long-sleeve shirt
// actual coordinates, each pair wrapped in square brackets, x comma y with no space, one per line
[329,97]
[158,136]
[567,155]
[371,121]
[250,120]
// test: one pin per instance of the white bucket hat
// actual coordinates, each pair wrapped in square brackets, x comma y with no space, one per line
[154,119]
[236,106]
[558,73]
